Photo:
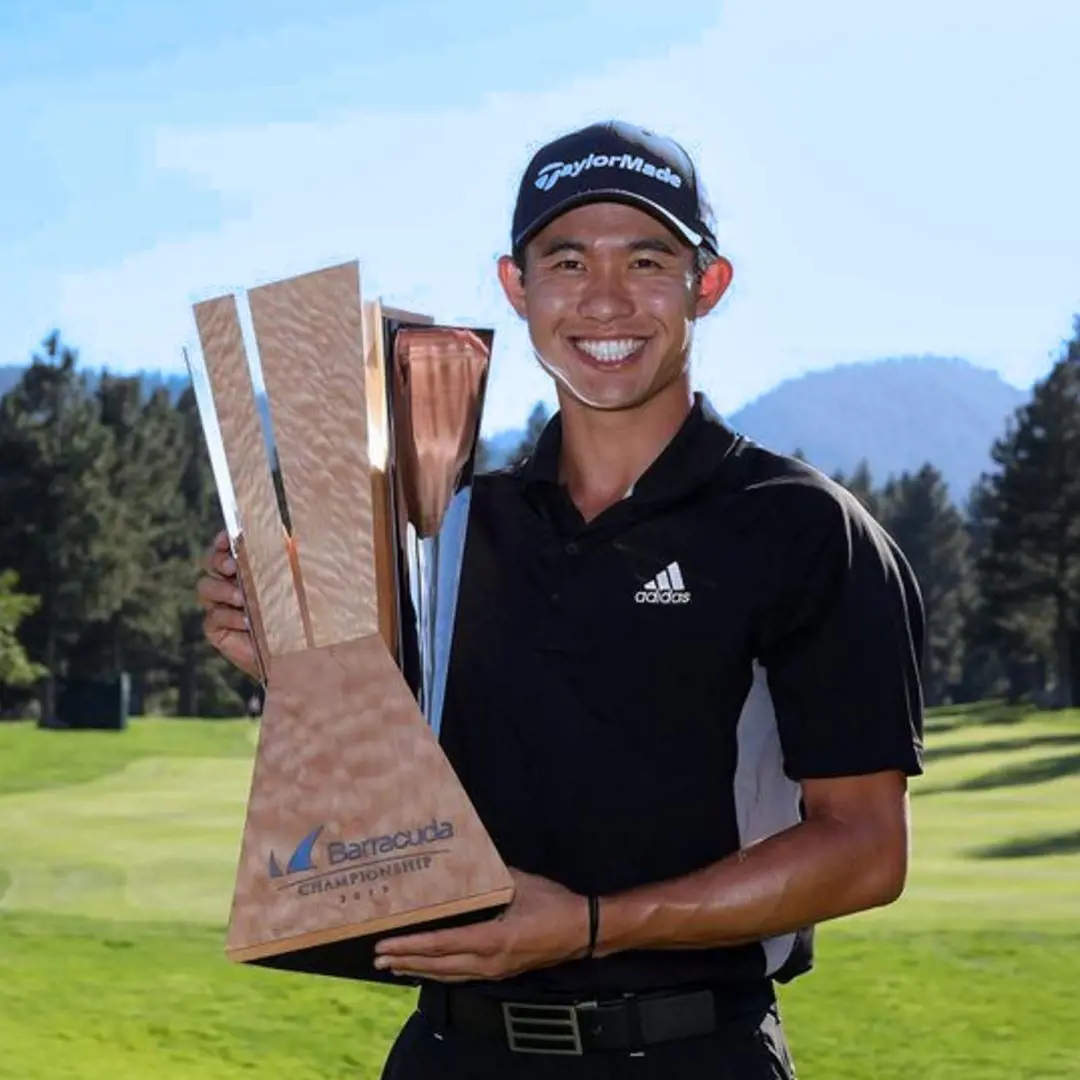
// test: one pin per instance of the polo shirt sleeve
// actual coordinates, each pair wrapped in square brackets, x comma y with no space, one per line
[841,638]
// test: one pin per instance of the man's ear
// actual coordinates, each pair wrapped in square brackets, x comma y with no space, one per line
[512,279]
[712,284]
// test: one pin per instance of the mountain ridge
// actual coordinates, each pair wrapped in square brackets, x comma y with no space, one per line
[897,413]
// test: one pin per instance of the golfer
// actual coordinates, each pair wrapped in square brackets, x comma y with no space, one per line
[684,695]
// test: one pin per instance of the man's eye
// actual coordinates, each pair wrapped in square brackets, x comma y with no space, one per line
[646,263]
[567,264]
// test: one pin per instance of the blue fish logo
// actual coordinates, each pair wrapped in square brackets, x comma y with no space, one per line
[301,858]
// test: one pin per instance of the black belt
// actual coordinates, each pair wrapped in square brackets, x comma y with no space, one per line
[628,1023]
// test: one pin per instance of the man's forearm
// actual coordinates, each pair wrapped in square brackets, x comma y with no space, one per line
[817,870]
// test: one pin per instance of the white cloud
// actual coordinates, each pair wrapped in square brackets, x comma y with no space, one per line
[864,209]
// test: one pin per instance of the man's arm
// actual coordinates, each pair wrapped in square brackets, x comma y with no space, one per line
[841,640]
[849,854]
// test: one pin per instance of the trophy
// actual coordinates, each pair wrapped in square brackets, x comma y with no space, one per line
[356,824]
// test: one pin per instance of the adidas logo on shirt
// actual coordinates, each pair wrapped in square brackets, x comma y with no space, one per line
[667,587]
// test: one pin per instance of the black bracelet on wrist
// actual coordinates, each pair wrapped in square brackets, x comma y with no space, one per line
[594,923]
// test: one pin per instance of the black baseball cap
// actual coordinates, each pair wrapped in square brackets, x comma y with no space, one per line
[614,162]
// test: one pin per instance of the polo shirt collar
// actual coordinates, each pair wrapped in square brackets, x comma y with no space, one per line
[698,449]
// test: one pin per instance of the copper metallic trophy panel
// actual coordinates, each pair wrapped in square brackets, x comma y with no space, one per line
[356,823]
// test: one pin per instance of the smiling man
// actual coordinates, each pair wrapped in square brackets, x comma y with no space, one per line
[684,694]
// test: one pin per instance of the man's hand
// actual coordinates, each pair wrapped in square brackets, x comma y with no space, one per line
[225,623]
[544,925]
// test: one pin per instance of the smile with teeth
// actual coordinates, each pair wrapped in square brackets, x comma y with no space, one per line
[608,350]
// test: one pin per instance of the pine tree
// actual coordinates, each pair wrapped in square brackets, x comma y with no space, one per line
[16,668]
[993,662]
[918,513]
[58,518]
[1029,571]
[145,478]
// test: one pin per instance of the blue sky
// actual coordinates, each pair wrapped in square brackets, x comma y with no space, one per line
[889,179]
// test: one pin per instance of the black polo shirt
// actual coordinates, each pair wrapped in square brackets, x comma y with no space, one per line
[633,698]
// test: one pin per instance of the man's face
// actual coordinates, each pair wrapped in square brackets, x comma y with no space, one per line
[610,296]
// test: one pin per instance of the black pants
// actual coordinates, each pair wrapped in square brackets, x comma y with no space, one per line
[752,1049]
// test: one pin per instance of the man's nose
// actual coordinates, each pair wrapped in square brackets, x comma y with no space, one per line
[606,296]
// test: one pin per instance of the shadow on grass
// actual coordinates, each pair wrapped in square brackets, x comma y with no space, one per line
[1019,775]
[5,882]
[990,713]
[1031,847]
[941,753]
[1025,772]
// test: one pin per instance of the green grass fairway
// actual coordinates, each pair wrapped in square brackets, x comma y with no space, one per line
[968,975]
[32,760]
[117,853]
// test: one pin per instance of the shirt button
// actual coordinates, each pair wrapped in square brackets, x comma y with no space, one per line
[556,598]
[573,548]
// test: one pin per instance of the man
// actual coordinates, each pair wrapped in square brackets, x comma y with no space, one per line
[684,695]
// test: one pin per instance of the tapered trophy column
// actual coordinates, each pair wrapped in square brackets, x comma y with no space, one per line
[356,823]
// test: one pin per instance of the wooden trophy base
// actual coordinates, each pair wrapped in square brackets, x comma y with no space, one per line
[357,825]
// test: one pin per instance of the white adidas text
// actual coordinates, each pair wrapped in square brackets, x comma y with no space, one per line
[667,587]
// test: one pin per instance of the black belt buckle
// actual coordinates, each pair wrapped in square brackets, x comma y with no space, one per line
[543,1029]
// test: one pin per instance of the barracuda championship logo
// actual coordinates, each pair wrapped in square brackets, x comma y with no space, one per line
[301,858]
[372,860]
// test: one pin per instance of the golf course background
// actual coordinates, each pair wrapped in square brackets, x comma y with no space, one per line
[117,853]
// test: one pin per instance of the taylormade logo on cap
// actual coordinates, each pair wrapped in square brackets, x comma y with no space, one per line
[551,174]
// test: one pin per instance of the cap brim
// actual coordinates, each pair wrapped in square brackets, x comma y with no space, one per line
[629,198]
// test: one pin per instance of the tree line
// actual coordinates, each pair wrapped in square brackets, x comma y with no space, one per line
[1000,573]
[107,504]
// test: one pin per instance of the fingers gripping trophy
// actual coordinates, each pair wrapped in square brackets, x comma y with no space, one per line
[356,824]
